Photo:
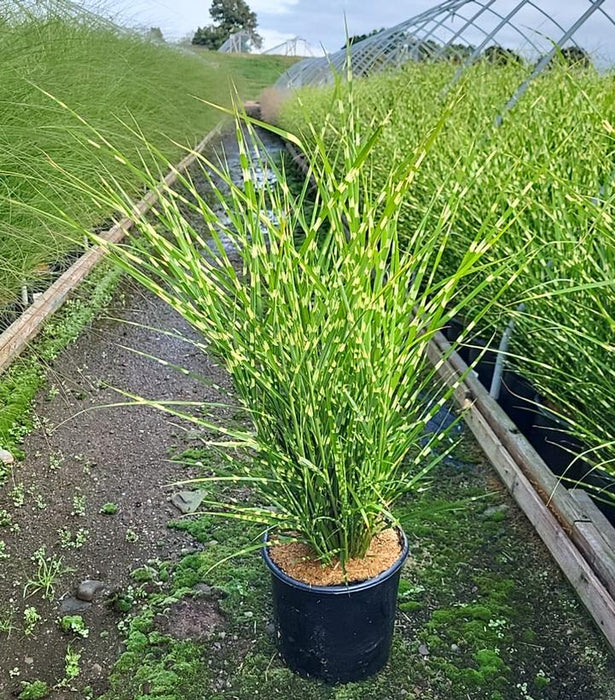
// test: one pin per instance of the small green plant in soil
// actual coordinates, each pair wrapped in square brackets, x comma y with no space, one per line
[131,535]
[72,668]
[69,540]
[109,509]
[49,570]
[18,495]
[74,624]
[79,505]
[34,690]
[31,618]
[40,502]
[7,626]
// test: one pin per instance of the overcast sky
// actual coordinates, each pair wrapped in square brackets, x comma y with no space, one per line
[321,22]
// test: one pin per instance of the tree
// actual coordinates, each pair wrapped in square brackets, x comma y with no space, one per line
[210,37]
[359,37]
[569,56]
[501,56]
[154,34]
[229,17]
[576,56]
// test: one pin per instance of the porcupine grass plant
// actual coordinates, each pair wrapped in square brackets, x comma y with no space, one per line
[322,320]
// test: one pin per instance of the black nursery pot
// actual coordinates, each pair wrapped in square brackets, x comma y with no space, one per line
[485,367]
[452,331]
[518,399]
[340,633]
[551,438]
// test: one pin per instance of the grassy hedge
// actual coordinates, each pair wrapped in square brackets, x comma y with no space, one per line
[553,160]
[115,80]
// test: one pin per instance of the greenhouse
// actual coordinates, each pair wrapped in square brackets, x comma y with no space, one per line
[307,370]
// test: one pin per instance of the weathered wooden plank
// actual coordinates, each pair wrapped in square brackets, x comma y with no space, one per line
[595,515]
[19,334]
[544,481]
[578,570]
[598,553]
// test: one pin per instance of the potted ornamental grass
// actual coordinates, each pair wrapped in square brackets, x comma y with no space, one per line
[322,320]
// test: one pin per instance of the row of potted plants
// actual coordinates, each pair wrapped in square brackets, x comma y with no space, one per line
[552,157]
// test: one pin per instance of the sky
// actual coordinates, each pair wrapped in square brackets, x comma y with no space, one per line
[321,22]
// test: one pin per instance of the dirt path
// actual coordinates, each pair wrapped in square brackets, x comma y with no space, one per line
[81,459]
[85,458]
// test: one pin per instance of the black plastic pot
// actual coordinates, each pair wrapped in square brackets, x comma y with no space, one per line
[518,399]
[341,633]
[452,331]
[551,438]
[485,366]
[553,441]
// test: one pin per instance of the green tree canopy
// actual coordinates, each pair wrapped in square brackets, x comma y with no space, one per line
[229,17]
[359,37]
[154,34]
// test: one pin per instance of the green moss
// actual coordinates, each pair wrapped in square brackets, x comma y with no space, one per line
[25,377]
[36,690]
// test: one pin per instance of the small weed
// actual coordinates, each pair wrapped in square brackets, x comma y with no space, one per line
[31,619]
[131,535]
[37,690]
[53,392]
[541,681]
[3,553]
[6,624]
[6,472]
[71,666]
[6,520]
[48,572]
[109,509]
[79,505]
[68,540]
[56,459]
[74,624]
[18,495]
[40,502]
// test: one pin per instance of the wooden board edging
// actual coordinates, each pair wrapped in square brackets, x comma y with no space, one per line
[15,339]
[577,535]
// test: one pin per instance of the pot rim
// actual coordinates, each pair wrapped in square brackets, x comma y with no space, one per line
[339,588]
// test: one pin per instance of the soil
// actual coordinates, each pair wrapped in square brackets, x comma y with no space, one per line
[298,561]
[86,449]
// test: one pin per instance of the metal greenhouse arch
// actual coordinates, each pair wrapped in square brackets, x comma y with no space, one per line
[463,31]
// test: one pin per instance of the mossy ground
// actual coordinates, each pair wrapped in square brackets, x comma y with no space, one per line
[483,611]
[27,375]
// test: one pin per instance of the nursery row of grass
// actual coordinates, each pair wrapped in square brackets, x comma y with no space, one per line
[118,82]
[549,166]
